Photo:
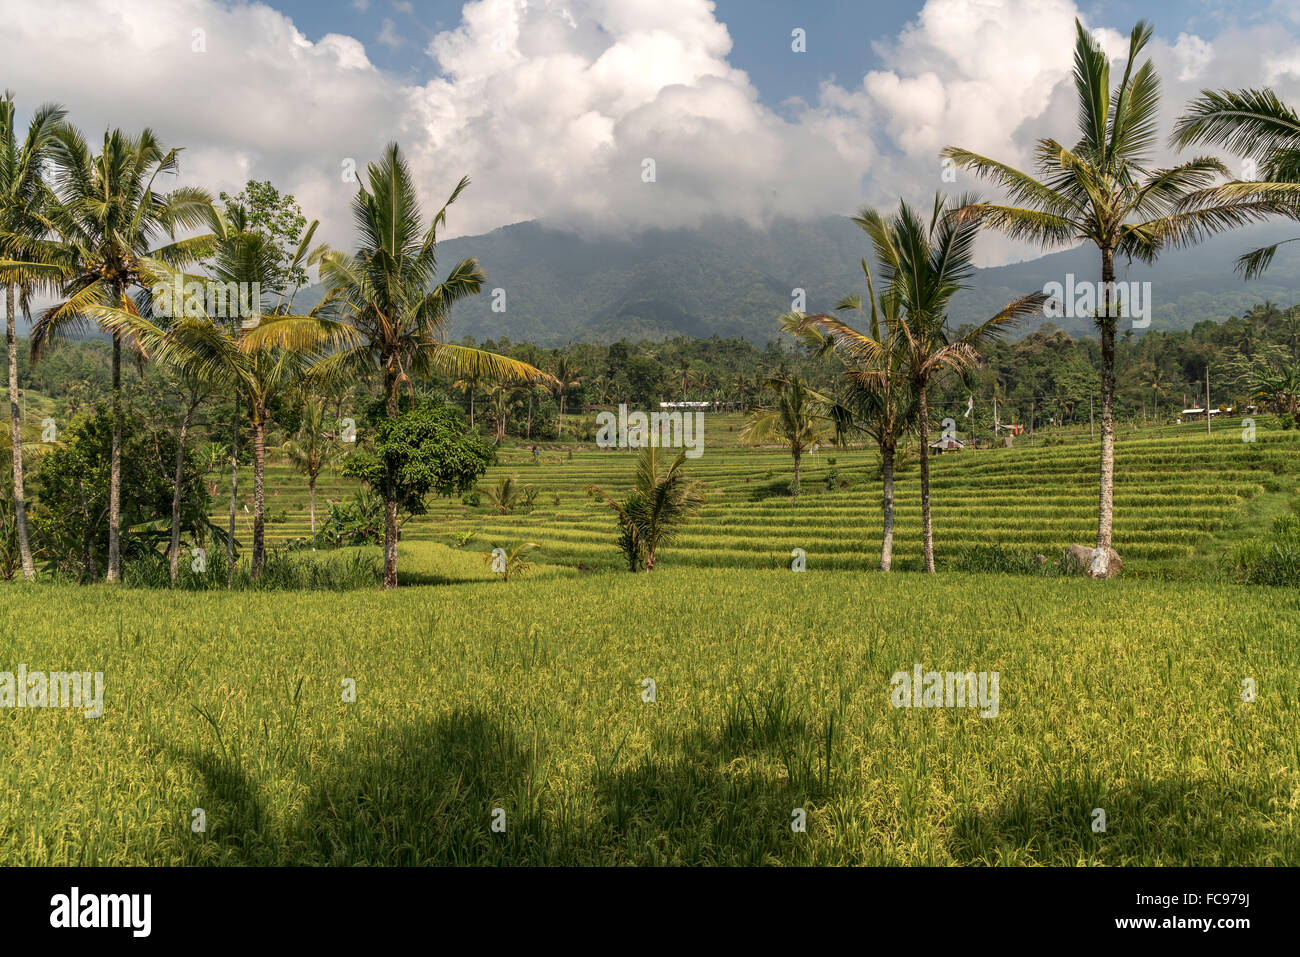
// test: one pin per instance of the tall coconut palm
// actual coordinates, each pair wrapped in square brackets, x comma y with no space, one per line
[797,419]
[1258,125]
[876,399]
[1103,191]
[926,263]
[105,219]
[386,290]
[22,191]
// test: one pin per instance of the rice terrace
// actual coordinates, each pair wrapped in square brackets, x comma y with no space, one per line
[470,524]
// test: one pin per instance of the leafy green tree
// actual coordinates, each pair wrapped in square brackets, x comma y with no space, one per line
[260,208]
[423,451]
[70,519]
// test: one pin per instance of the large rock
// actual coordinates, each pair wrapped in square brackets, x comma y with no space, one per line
[1083,560]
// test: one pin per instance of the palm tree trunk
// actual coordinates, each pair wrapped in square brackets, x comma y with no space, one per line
[174,554]
[115,468]
[560,436]
[234,495]
[887,507]
[797,487]
[393,411]
[15,421]
[927,533]
[87,536]
[390,539]
[390,491]
[259,492]
[311,491]
[1106,495]
[529,433]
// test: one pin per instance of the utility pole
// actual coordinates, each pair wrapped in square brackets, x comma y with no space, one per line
[1033,403]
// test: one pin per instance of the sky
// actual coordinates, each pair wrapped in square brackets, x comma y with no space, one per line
[756,110]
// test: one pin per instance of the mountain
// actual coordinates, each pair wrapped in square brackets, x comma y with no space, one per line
[732,280]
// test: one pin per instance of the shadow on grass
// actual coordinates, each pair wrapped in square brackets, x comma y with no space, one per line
[429,793]
[1174,821]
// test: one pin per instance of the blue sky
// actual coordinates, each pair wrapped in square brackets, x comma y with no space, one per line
[554,108]
[841,35]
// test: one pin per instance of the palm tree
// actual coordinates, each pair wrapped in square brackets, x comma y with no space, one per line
[876,400]
[510,564]
[797,419]
[1102,191]
[470,386]
[924,265]
[260,363]
[502,400]
[661,500]
[1276,384]
[567,375]
[311,452]
[106,219]
[1255,124]
[1156,381]
[684,376]
[386,291]
[21,191]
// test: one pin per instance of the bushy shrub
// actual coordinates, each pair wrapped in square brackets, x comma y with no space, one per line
[284,569]
[1276,560]
[999,559]
[359,522]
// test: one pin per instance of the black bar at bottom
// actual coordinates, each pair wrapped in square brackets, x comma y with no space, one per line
[336,906]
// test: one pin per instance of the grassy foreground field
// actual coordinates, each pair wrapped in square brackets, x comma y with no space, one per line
[772,693]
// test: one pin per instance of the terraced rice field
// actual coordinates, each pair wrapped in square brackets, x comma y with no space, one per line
[1182,500]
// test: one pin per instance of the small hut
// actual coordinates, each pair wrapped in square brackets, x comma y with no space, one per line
[947,443]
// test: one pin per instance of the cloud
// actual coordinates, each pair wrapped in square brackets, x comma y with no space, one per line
[995,77]
[553,107]
[388,34]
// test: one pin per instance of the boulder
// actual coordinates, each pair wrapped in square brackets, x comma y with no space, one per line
[1085,560]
